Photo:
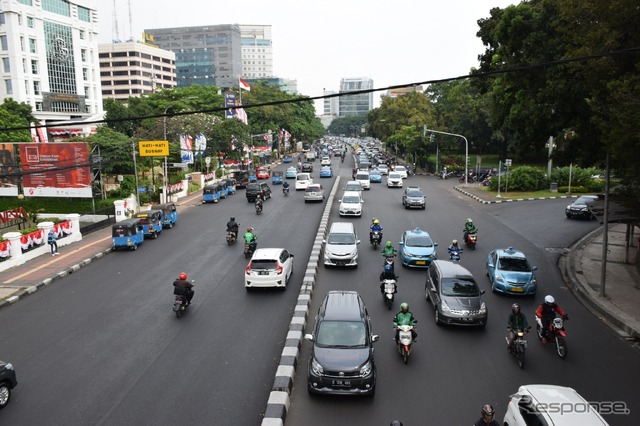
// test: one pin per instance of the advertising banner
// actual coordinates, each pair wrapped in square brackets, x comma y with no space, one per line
[56,169]
[9,176]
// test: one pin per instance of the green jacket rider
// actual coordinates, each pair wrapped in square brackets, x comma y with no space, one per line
[405,317]
[389,250]
[249,236]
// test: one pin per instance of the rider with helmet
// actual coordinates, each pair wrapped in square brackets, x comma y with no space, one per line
[547,313]
[454,245]
[182,287]
[250,239]
[517,321]
[469,228]
[285,187]
[375,227]
[404,317]
[488,413]
[232,226]
[389,249]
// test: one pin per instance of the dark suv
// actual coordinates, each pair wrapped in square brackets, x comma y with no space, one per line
[7,382]
[342,356]
[307,167]
[258,188]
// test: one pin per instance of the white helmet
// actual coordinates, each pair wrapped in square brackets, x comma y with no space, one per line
[549,299]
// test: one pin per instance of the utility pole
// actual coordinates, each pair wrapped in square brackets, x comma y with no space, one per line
[135,170]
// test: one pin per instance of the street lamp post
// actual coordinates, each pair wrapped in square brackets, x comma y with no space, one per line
[466,153]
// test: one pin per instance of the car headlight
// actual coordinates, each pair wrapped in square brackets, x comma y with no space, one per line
[354,252]
[366,369]
[499,278]
[9,366]
[316,367]
[445,307]
[533,281]
[483,308]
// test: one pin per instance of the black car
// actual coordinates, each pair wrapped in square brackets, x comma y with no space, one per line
[413,197]
[341,360]
[7,382]
[307,167]
[578,209]
[258,189]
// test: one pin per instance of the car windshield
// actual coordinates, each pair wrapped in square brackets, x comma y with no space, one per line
[351,200]
[302,177]
[513,264]
[263,264]
[352,187]
[583,200]
[362,176]
[394,175]
[415,193]
[341,334]
[312,189]
[374,173]
[341,239]
[419,241]
[400,168]
[463,287]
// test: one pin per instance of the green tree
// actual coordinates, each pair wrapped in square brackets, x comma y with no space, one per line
[115,149]
[12,115]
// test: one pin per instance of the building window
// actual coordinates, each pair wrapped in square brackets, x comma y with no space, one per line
[103,55]
[2,19]
[6,64]
[122,92]
[30,22]
[32,45]
[3,42]
[81,34]
[85,74]
[8,87]
[105,74]
[61,7]
[121,82]
[26,87]
[34,67]
[27,2]
[134,63]
[22,43]
[38,106]
[60,61]
[86,92]
[83,55]
[84,14]
[118,54]
[118,73]
[120,64]
[107,92]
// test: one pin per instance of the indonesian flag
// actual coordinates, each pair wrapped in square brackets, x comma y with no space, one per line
[244,85]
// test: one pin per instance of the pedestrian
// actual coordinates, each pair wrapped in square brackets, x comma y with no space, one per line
[51,240]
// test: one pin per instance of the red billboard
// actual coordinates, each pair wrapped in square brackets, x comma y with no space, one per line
[56,169]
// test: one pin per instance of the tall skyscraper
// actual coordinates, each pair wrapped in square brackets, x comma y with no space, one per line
[257,51]
[49,56]
[206,55]
[353,105]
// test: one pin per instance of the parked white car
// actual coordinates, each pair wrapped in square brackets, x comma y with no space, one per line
[351,204]
[394,180]
[303,180]
[269,267]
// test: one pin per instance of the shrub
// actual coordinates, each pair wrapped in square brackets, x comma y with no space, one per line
[574,189]
[219,173]
[522,178]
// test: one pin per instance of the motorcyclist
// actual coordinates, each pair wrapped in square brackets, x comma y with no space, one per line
[488,413]
[182,287]
[469,228]
[250,239]
[285,187]
[547,313]
[258,203]
[375,227]
[517,321]
[389,249]
[404,317]
[232,226]
[454,246]
[387,274]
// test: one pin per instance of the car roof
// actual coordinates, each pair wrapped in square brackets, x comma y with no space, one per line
[547,394]
[510,252]
[313,185]
[451,269]
[343,305]
[416,231]
[351,194]
[266,254]
[354,182]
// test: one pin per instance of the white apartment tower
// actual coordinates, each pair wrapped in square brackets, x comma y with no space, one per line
[49,57]
[257,51]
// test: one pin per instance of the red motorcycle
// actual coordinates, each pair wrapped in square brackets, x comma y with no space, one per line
[556,334]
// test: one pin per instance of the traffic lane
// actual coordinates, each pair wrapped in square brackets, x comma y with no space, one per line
[449,364]
[108,329]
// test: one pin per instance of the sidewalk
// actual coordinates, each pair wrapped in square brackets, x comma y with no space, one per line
[581,268]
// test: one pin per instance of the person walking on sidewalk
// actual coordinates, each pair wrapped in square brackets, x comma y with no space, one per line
[51,240]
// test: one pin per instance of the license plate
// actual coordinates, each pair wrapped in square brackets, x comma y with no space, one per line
[342,383]
[421,262]
[518,290]
[263,272]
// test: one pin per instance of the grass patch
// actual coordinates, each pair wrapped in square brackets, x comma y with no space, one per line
[489,195]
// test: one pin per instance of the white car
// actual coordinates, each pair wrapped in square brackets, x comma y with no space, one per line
[394,180]
[354,185]
[314,192]
[402,170]
[362,176]
[325,161]
[351,204]
[550,405]
[269,267]
[303,180]
[383,169]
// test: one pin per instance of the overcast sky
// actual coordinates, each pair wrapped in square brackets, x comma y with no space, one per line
[318,43]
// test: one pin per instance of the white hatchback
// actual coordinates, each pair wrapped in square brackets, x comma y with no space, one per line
[351,204]
[402,170]
[394,180]
[303,180]
[269,267]
[325,161]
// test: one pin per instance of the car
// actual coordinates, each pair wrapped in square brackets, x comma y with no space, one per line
[257,189]
[402,170]
[394,180]
[413,197]
[578,209]
[7,382]
[314,192]
[417,249]
[341,245]
[303,180]
[342,360]
[291,173]
[363,177]
[375,176]
[542,404]
[262,173]
[252,177]
[509,272]
[287,159]
[455,295]
[383,169]
[269,267]
[326,172]
[364,164]
[351,204]
[354,185]
[325,161]
[307,167]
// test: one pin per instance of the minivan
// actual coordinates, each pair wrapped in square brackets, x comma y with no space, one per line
[341,245]
[363,177]
[341,359]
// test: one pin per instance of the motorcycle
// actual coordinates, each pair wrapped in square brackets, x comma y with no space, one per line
[285,191]
[405,341]
[376,239]
[556,334]
[180,304]
[231,237]
[454,254]
[471,240]
[389,289]
[388,260]
[518,347]
[258,206]
[248,250]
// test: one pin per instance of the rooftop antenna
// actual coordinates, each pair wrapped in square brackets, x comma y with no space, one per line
[130,22]
[115,33]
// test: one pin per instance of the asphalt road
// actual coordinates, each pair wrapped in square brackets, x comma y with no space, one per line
[103,347]
[454,371]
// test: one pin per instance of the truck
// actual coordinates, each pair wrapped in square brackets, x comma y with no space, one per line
[310,156]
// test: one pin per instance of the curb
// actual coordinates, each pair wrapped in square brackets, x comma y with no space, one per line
[61,274]
[480,200]
[280,397]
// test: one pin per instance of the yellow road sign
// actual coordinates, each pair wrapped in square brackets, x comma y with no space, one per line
[153,148]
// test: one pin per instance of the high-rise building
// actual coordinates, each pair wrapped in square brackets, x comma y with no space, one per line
[257,51]
[133,68]
[331,105]
[49,57]
[206,55]
[358,104]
